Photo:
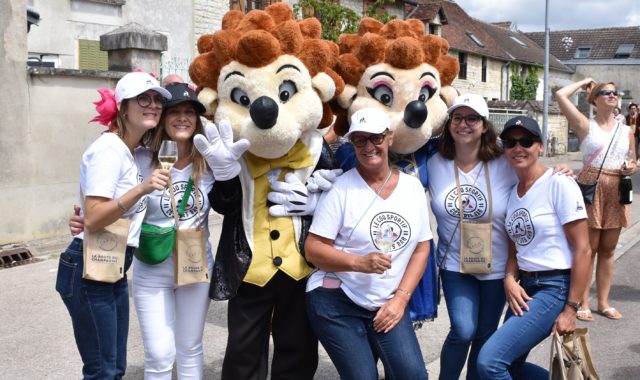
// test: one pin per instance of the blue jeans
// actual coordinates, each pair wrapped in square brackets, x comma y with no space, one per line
[347,334]
[503,355]
[474,308]
[99,313]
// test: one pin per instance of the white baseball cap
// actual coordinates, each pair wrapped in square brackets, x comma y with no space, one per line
[134,84]
[473,101]
[369,120]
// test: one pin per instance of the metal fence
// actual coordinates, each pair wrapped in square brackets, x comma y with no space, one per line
[175,65]
[499,116]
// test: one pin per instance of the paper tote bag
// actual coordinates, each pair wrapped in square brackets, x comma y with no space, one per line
[475,248]
[571,357]
[104,252]
[191,257]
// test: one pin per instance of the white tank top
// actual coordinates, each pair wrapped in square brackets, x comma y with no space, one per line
[597,141]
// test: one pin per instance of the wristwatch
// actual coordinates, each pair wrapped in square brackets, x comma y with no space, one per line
[575,305]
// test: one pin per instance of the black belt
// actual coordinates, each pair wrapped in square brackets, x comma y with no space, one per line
[545,273]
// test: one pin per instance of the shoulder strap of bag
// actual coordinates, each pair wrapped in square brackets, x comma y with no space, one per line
[607,152]
[173,204]
[187,193]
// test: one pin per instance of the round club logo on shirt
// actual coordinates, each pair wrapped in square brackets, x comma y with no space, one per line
[519,227]
[392,226]
[142,204]
[474,202]
[190,209]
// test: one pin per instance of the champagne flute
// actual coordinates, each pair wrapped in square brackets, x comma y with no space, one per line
[168,154]
[384,241]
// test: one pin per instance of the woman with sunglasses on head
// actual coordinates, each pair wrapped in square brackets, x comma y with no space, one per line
[357,298]
[110,189]
[608,152]
[548,264]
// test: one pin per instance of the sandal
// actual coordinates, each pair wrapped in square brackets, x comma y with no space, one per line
[610,313]
[584,315]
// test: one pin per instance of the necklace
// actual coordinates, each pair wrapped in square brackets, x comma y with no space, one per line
[379,190]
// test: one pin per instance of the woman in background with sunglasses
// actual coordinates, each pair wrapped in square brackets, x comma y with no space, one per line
[609,144]
[370,242]
[547,268]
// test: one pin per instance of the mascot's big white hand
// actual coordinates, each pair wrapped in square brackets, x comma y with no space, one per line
[322,180]
[291,198]
[221,153]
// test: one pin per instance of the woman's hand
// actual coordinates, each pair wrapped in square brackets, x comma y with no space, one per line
[374,262]
[516,296]
[390,313]
[158,180]
[564,169]
[566,321]
[588,83]
[629,168]
[76,222]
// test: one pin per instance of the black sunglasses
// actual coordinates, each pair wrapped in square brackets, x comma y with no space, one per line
[525,142]
[376,139]
[607,92]
[145,100]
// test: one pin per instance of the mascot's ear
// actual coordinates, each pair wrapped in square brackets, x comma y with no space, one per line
[347,96]
[209,98]
[448,94]
[324,86]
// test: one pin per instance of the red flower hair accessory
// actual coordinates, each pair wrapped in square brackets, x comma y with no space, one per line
[107,109]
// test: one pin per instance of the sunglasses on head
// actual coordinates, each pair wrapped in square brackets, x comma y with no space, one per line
[607,92]
[525,142]
[360,141]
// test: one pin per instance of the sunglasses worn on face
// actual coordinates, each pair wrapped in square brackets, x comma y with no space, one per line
[525,142]
[375,139]
[469,119]
[607,92]
[145,100]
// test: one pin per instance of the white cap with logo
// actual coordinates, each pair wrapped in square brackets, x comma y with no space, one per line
[473,101]
[369,120]
[134,84]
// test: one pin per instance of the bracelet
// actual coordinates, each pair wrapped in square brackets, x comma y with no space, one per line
[120,205]
[404,292]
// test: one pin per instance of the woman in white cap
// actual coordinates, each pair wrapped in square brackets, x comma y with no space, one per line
[608,153]
[469,159]
[110,190]
[548,264]
[370,242]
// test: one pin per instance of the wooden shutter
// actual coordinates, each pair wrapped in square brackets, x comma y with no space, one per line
[90,57]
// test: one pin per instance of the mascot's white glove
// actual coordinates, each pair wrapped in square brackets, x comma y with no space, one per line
[291,198]
[322,180]
[221,153]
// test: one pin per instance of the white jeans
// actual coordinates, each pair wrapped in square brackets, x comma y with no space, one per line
[171,321]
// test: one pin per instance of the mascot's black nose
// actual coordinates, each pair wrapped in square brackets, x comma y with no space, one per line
[264,112]
[415,113]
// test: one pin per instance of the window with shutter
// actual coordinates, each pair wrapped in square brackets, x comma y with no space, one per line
[90,57]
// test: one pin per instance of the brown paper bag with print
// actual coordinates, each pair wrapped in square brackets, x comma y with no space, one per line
[191,257]
[104,252]
[475,248]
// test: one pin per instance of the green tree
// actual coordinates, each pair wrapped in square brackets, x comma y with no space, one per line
[524,88]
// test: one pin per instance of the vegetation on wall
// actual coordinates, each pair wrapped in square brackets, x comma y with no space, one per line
[524,88]
[337,19]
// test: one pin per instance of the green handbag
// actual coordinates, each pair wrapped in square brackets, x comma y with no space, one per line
[156,243]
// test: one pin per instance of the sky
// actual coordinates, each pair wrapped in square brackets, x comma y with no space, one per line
[563,14]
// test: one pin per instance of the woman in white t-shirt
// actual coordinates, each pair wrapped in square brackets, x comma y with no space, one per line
[608,152]
[172,317]
[474,301]
[111,188]
[356,300]
[548,264]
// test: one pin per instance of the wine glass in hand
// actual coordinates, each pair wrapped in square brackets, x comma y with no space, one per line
[168,154]
[384,241]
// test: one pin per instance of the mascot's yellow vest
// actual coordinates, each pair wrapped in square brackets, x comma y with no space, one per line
[274,242]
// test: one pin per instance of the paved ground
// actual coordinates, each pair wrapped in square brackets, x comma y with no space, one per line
[36,339]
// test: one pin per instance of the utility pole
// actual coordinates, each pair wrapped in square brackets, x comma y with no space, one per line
[545,93]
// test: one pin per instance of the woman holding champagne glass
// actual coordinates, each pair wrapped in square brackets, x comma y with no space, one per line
[357,298]
[110,190]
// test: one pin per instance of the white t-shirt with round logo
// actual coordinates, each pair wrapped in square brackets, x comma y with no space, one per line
[534,222]
[108,170]
[159,211]
[475,201]
[351,214]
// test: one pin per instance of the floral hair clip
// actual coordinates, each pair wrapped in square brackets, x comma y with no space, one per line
[107,109]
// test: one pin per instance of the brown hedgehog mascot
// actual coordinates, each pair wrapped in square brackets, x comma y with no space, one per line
[267,80]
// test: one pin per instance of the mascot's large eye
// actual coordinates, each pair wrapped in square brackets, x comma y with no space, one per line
[287,90]
[383,94]
[240,97]
[426,92]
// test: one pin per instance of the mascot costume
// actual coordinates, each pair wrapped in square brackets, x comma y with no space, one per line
[267,79]
[396,68]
